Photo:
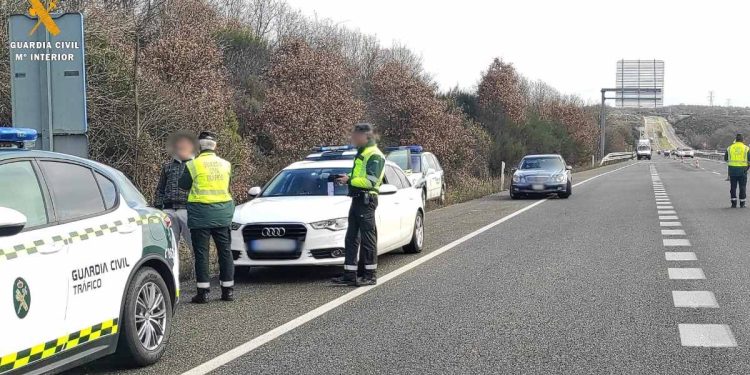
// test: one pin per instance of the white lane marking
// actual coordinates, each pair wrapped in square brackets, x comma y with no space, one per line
[676,242]
[663,201]
[715,172]
[672,232]
[694,299]
[707,335]
[686,274]
[658,207]
[669,217]
[667,212]
[660,194]
[686,255]
[263,339]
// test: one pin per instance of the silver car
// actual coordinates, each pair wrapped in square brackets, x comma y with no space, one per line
[542,175]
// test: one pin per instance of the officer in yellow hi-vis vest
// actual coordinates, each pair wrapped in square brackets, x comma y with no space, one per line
[364,182]
[210,208]
[737,162]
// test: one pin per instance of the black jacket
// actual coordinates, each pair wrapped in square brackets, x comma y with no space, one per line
[168,192]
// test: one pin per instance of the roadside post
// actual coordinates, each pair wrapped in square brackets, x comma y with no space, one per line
[48,78]
[502,175]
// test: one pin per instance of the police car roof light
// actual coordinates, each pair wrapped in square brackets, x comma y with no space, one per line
[17,135]
[413,148]
[333,148]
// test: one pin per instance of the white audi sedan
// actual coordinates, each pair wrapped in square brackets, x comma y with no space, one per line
[300,216]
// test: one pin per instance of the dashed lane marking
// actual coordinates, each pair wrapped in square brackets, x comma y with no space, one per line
[667,212]
[694,299]
[707,335]
[664,207]
[670,217]
[676,242]
[672,232]
[670,224]
[686,274]
[678,256]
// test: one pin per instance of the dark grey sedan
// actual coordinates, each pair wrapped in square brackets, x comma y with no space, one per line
[541,175]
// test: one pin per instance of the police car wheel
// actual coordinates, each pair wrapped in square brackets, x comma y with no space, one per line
[442,195]
[417,237]
[147,318]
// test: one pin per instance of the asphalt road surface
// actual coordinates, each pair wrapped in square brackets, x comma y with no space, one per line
[644,270]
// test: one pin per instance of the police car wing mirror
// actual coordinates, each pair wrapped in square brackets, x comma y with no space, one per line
[254,191]
[388,189]
[431,170]
[12,222]
[568,167]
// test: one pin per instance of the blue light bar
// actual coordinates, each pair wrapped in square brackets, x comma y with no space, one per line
[333,148]
[413,148]
[17,135]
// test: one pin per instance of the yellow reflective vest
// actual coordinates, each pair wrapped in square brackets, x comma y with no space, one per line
[211,175]
[364,178]
[737,155]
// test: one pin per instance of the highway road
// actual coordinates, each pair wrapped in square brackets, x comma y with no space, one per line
[643,270]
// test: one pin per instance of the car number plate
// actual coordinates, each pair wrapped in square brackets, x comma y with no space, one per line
[537,187]
[273,245]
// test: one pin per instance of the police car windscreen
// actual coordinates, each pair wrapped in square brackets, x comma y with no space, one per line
[546,163]
[307,182]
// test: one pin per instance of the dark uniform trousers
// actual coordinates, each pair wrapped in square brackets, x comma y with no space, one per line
[742,182]
[362,235]
[201,240]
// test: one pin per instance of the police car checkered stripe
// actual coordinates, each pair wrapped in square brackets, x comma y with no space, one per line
[31,248]
[47,349]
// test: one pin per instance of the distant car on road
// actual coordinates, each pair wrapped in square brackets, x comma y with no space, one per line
[86,267]
[643,151]
[422,168]
[300,217]
[542,175]
[686,153]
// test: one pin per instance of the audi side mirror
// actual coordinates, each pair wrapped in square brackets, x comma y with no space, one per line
[513,170]
[12,222]
[568,167]
[388,189]
[430,171]
[254,191]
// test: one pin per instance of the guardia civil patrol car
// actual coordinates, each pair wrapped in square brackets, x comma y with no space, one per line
[87,269]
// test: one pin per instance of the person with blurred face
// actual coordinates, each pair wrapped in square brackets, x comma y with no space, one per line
[170,198]
[364,183]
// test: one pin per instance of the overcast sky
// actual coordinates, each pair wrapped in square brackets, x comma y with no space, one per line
[571,44]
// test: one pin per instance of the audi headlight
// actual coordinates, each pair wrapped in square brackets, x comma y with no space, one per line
[332,224]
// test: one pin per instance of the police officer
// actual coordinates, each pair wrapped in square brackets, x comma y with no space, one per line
[364,181]
[210,208]
[737,162]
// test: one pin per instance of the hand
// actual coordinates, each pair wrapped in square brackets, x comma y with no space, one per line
[342,180]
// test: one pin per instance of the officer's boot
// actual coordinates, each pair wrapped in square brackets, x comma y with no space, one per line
[349,278]
[742,204]
[227,293]
[201,296]
[734,203]
[370,278]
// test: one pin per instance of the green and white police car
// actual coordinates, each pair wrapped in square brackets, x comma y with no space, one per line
[87,269]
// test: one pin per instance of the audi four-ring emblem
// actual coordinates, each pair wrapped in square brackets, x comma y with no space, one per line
[273,232]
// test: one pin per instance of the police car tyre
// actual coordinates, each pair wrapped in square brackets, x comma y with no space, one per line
[147,296]
[442,195]
[417,238]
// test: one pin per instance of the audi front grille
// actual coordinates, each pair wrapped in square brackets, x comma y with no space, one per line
[297,232]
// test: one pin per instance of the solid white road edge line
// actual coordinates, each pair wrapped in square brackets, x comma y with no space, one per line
[269,336]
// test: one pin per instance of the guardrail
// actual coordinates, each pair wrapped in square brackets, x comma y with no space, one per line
[710,154]
[614,157]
